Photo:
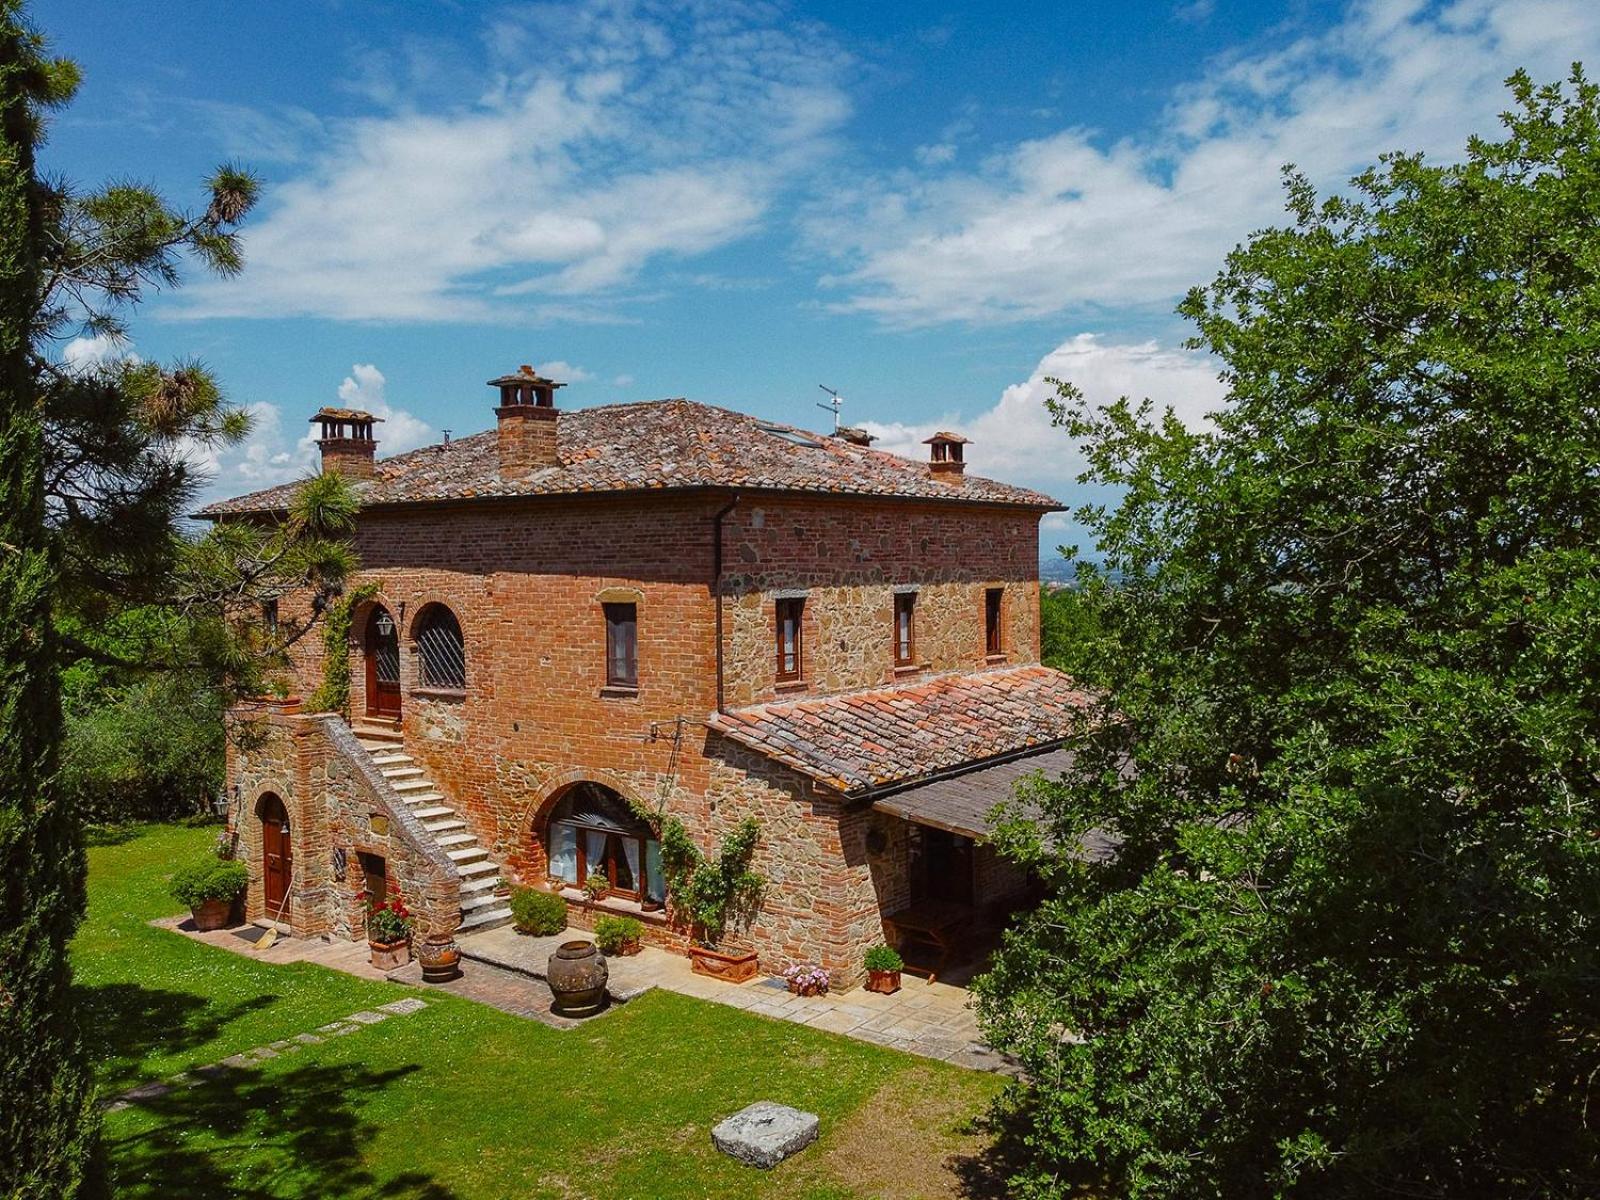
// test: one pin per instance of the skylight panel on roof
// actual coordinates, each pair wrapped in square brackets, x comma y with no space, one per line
[789,435]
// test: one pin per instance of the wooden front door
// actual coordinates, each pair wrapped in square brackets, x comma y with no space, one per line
[277,856]
[383,664]
[943,868]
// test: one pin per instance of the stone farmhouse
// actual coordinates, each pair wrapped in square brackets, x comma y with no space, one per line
[581,620]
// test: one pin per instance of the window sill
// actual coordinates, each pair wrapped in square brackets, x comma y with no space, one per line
[628,908]
[910,669]
[618,691]
[992,659]
[439,693]
[790,685]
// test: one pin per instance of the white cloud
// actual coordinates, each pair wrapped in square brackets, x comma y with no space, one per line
[622,381]
[1015,441]
[84,355]
[589,140]
[562,371]
[936,154]
[1071,222]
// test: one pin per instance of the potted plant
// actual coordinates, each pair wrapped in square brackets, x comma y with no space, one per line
[502,887]
[807,979]
[389,933]
[595,887]
[210,888]
[537,912]
[709,894]
[884,965]
[618,935]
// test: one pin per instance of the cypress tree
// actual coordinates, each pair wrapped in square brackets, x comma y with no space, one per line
[47,1125]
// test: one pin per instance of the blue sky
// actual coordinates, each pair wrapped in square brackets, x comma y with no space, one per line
[928,207]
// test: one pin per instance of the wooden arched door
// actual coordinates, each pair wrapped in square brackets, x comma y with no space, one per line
[383,663]
[277,855]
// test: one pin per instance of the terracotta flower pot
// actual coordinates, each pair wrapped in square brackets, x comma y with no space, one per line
[390,956]
[577,975]
[731,968]
[884,982]
[628,948]
[212,914]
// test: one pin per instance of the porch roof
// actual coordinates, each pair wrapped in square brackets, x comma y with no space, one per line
[862,741]
[962,803]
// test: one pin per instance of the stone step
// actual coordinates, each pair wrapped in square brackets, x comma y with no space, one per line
[481,883]
[472,901]
[444,826]
[422,798]
[475,869]
[376,733]
[470,854]
[391,758]
[433,812]
[398,774]
[455,840]
[411,785]
[481,919]
[376,747]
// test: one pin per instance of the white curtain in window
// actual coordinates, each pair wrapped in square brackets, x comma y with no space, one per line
[564,853]
[594,849]
[630,851]
[657,889]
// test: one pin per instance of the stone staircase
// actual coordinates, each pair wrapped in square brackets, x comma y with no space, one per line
[480,908]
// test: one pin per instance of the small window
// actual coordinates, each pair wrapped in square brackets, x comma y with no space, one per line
[269,615]
[791,652]
[441,653]
[905,638]
[993,610]
[622,645]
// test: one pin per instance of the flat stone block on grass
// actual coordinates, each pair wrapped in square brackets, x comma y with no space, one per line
[764,1134]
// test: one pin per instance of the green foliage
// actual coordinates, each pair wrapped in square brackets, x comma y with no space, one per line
[389,921]
[539,913]
[884,958]
[1347,947]
[611,934]
[711,893]
[596,886]
[209,879]
[1072,635]
[48,1126]
[333,693]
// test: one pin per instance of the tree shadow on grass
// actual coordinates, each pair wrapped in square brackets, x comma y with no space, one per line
[261,1135]
[987,1174]
[124,1022]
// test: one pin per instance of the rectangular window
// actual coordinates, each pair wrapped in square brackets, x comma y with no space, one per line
[905,644]
[993,610]
[622,645]
[791,654]
[269,614]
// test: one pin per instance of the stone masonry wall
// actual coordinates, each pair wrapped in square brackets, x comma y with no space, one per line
[527,581]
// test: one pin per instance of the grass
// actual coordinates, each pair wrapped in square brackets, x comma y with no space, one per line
[462,1100]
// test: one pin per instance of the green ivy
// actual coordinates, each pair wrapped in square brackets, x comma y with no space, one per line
[333,693]
[711,893]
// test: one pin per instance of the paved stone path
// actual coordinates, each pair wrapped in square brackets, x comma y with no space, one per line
[250,1058]
[505,969]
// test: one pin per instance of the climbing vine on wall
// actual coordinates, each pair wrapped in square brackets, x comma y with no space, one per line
[333,693]
[711,892]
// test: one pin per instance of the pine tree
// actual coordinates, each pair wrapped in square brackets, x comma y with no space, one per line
[47,1125]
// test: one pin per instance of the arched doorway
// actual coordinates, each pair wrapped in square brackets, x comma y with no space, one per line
[277,855]
[382,647]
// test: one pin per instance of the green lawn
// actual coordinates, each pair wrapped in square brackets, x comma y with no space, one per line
[462,1100]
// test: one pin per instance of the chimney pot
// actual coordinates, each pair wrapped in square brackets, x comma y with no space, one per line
[346,441]
[527,421]
[945,456]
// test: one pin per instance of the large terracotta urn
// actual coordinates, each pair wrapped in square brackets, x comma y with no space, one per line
[577,976]
[440,958]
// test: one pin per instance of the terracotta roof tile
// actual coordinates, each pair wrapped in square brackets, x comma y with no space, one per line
[864,740]
[658,444]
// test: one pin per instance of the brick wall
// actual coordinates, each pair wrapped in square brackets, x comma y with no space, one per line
[526,583]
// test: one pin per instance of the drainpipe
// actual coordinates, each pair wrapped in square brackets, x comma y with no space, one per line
[716,583]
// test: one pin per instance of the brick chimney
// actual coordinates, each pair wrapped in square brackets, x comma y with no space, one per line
[856,437]
[346,441]
[528,421]
[945,457]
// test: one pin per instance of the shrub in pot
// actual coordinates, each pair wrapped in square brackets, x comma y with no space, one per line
[710,892]
[209,888]
[618,935]
[539,913]
[807,979]
[596,887]
[884,965]
[389,933]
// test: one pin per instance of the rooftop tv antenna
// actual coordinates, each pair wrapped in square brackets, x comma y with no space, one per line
[833,405]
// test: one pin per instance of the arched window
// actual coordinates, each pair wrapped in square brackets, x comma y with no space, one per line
[593,832]
[442,657]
